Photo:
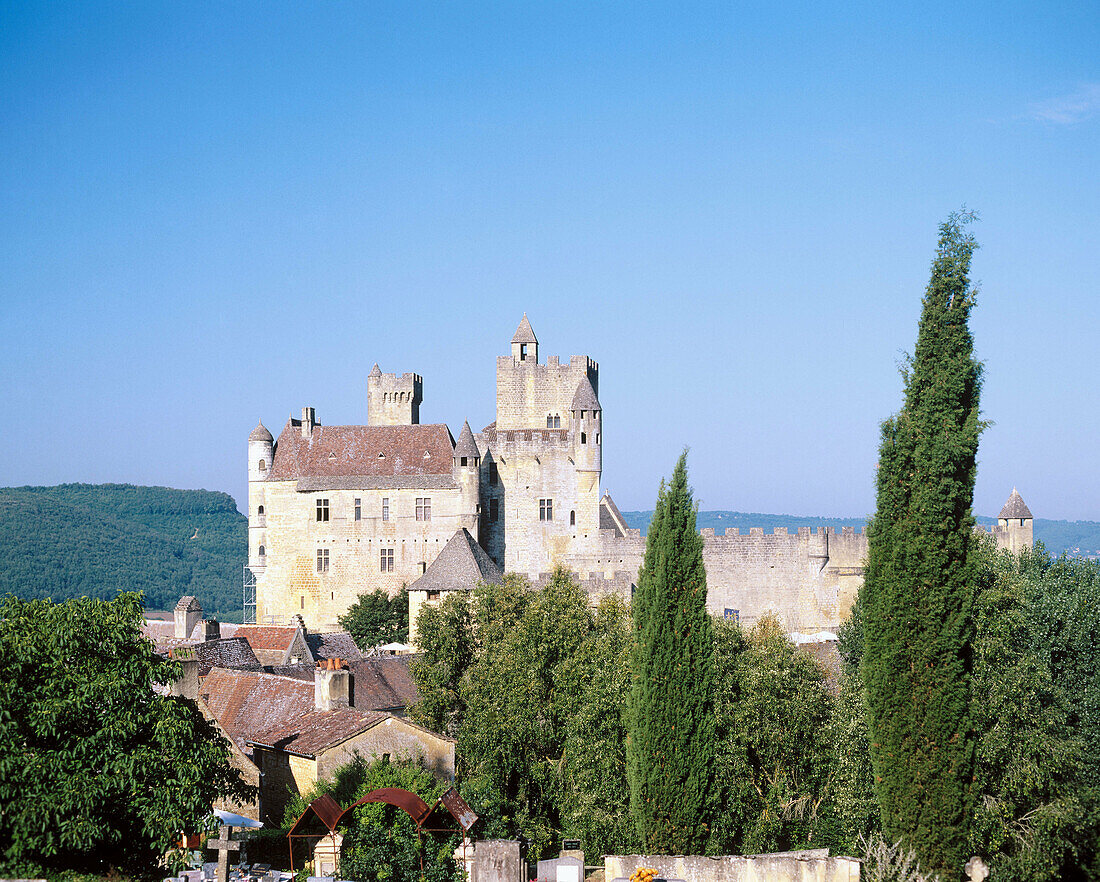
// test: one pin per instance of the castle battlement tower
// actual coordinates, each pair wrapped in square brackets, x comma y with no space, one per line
[1016,523]
[393,399]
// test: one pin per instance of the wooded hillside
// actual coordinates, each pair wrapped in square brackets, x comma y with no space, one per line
[95,539]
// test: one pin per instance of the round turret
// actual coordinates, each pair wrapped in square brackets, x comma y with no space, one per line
[260,451]
[587,428]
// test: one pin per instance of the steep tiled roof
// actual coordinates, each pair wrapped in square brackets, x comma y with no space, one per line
[610,516]
[459,567]
[524,333]
[585,397]
[316,731]
[372,454]
[227,652]
[188,602]
[336,644]
[375,371]
[466,446]
[246,703]
[1015,507]
[260,433]
[268,636]
[383,683]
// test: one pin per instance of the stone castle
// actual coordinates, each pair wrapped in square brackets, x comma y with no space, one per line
[337,511]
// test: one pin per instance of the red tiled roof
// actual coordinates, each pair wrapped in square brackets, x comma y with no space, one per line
[383,683]
[316,731]
[364,451]
[246,703]
[273,637]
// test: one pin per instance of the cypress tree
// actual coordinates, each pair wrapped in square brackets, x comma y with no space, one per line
[918,592]
[670,715]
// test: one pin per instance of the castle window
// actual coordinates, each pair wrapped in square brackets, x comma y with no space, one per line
[597,437]
[583,412]
[463,460]
[523,352]
[584,438]
[549,421]
[433,595]
[733,615]
[572,519]
[263,465]
[494,510]
[546,509]
[494,475]
[557,421]
[1021,522]
[261,551]
[424,508]
[386,560]
[302,602]
[322,509]
[322,560]
[260,510]
[358,509]
[385,509]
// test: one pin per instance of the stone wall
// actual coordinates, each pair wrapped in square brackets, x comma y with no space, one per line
[399,739]
[797,866]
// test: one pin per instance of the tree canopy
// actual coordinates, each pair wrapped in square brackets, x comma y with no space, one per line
[98,772]
[376,618]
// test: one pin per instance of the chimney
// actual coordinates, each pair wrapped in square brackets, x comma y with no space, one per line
[187,686]
[210,630]
[187,614]
[309,420]
[331,685]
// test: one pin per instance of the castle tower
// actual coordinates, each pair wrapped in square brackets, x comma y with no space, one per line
[525,345]
[467,472]
[1017,524]
[393,399]
[261,451]
[585,412]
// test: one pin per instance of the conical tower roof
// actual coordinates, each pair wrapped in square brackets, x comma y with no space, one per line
[585,397]
[466,445]
[375,371]
[459,567]
[1015,507]
[260,434]
[524,333]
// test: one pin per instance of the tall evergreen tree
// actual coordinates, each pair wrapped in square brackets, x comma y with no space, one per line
[918,592]
[670,743]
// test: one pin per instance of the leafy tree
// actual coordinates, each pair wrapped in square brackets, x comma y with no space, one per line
[446,639]
[97,771]
[1035,669]
[774,743]
[376,618]
[918,592]
[670,746]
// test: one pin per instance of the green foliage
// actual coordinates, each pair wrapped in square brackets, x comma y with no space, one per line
[1034,691]
[531,684]
[774,753]
[376,618]
[670,747]
[380,841]
[97,771]
[92,540]
[918,591]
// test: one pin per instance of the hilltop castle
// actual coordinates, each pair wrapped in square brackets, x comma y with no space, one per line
[337,511]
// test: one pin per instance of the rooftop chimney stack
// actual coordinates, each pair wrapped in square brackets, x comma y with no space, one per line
[331,685]
[187,685]
[309,420]
[187,614]
[210,630]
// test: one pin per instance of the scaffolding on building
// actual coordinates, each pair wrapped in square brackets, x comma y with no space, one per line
[249,598]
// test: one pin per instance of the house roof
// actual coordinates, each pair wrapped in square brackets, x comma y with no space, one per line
[383,683]
[316,731]
[1015,507]
[610,516]
[226,652]
[585,397]
[524,333]
[260,433]
[270,637]
[459,567]
[373,456]
[246,703]
[335,644]
[466,446]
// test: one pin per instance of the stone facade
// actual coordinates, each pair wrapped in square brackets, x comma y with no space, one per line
[338,511]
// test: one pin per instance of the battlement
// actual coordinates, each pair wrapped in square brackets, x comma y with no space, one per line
[394,399]
[709,532]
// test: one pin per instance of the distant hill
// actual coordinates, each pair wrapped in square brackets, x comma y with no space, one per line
[1077,538]
[94,539]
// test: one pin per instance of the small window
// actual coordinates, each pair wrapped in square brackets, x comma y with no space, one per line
[523,352]
[385,509]
[261,551]
[322,509]
[424,508]
[433,595]
[584,438]
[733,615]
[494,476]
[322,560]
[549,421]
[546,509]
[494,510]
[263,465]
[463,460]
[302,602]
[1021,522]
[557,421]
[386,560]
[260,510]
[597,437]
[583,412]
[572,519]
[358,509]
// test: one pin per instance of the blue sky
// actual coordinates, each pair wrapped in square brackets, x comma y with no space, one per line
[213,214]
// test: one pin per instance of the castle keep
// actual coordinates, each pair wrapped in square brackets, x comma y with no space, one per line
[337,511]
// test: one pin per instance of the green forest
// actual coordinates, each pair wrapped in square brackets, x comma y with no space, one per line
[94,540]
